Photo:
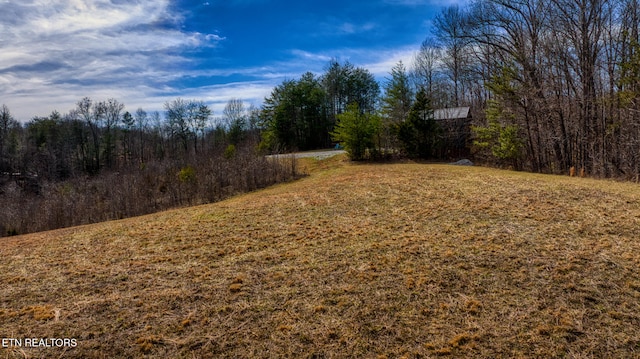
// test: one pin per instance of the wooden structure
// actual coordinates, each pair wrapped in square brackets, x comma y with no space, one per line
[456,131]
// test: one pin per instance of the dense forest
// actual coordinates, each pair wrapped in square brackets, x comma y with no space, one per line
[558,80]
[553,87]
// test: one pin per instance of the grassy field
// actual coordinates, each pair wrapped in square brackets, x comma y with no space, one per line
[362,261]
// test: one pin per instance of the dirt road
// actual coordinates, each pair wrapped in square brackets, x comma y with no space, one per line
[320,155]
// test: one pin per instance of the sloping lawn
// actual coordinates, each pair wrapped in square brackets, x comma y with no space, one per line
[354,261]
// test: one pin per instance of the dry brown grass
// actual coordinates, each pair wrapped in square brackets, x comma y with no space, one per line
[401,260]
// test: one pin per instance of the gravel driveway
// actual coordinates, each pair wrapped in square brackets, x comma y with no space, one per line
[319,155]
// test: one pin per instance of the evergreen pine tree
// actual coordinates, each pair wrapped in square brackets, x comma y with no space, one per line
[419,134]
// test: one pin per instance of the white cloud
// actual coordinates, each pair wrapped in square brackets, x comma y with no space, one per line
[351,28]
[310,56]
[53,54]
[333,26]
[249,92]
[378,61]
[149,98]
[383,61]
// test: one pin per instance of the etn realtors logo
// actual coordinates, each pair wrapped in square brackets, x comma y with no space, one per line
[38,343]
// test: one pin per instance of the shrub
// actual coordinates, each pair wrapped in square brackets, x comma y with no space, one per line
[357,131]
[187,175]
[501,140]
[419,134]
[230,152]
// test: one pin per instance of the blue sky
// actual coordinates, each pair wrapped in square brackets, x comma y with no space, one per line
[146,52]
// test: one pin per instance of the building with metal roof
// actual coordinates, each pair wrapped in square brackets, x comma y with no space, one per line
[452,113]
[456,131]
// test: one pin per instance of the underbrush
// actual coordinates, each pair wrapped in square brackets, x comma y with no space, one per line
[137,190]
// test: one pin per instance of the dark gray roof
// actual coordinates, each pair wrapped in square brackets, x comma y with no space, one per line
[451,113]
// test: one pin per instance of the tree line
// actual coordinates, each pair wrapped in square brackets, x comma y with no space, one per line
[100,162]
[99,136]
[557,81]
[346,106]
[300,114]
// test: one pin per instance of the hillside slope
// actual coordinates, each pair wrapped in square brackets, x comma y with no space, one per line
[357,261]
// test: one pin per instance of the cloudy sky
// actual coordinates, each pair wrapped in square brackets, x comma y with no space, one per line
[146,52]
